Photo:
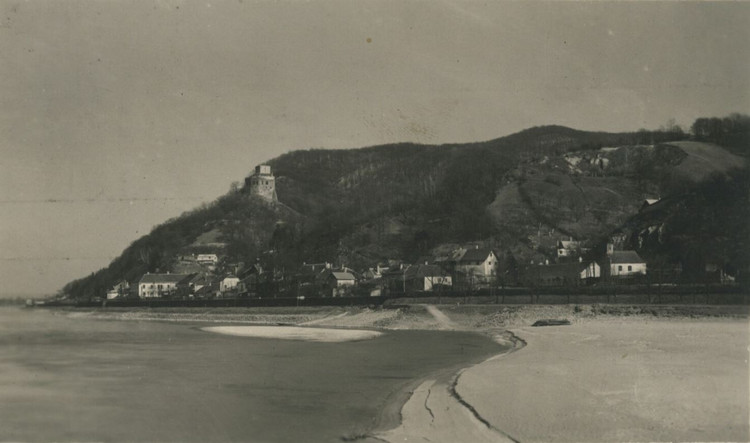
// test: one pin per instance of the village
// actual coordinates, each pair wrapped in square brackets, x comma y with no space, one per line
[466,268]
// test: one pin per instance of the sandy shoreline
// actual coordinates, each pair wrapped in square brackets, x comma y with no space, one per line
[296,333]
[479,403]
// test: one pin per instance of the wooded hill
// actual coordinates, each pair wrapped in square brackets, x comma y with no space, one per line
[518,194]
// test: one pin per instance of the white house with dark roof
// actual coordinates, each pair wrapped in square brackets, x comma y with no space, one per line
[567,248]
[341,278]
[626,263]
[207,259]
[340,282]
[228,283]
[477,264]
[120,289]
[159,285]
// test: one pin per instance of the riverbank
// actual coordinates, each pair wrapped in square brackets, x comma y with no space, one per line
[481,318]
[619,380]
[612,375]
[643,373]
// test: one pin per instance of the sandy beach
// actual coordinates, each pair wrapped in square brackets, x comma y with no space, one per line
[600,379]
[619,381]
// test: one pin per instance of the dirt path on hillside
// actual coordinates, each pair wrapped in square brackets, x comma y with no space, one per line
[443,320]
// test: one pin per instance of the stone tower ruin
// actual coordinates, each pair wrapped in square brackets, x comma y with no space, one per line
[262,183]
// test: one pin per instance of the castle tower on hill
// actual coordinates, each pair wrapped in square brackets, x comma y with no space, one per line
[262,183]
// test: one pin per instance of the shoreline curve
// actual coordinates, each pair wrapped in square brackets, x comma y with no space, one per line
[436,411]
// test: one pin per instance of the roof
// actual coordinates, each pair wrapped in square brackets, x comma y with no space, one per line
[342,275]
[567,244]
[163,278]
[625,257]
[420,271]
[479,254]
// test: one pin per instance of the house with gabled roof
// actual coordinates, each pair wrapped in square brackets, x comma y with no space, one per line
[340,282]
[120,289]
[568,248]
[159,285]
[625,264]
[426,277]
[228,283]
[476,265]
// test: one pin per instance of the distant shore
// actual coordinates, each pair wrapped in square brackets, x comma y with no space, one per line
[467,317]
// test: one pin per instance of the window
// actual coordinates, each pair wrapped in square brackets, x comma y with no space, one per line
[630,268]
[619,268]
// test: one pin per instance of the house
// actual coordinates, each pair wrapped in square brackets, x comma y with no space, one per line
[191,284]
[228,283]
[625,264]
[310,273]
[120,289]
[376,272]
[341,278]
[425,277]
[647,203]
[568,248]
[715,272]
[159,285]
[250,278]
[476,265]
[206,291]
[207,259]
[340,282]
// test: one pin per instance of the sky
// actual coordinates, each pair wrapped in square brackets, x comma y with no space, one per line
[116,116]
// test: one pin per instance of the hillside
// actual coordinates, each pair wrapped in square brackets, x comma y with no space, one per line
[518,194]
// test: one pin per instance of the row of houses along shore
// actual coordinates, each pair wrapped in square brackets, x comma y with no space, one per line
[467,268]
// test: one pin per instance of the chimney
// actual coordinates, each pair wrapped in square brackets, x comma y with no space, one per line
[580,259]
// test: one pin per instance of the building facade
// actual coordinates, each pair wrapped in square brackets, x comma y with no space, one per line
[625,264]
[159,285]
[262,183]
[477,266]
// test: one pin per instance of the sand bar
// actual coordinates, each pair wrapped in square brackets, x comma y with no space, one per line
[619,381]
[296,333]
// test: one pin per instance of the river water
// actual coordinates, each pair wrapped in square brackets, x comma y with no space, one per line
[64,378]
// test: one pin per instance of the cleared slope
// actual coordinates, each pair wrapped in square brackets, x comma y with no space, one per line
[705,158]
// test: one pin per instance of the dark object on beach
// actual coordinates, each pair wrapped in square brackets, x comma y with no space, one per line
[550,322]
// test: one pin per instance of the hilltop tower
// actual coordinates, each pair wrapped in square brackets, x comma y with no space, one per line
[262,183]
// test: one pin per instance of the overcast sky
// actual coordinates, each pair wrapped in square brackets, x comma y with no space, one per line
[118,115]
